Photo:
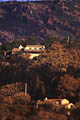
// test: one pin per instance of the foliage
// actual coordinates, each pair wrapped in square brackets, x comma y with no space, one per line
[68,87]
[49,41]
[58,67]
[31,41]
[15,44]
[55,73]
[75,114]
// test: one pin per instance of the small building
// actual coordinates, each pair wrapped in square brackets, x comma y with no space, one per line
[53,102]
[15,50]
[34,48]
[57,101]
[69,106]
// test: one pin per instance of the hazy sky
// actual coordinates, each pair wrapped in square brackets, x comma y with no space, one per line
[18,0]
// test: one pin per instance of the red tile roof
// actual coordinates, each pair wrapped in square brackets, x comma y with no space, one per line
[54,99]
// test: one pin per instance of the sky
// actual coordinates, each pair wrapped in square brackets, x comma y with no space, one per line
[18,0]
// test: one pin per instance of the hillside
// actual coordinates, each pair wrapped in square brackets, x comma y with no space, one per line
[54,74]
[39,19]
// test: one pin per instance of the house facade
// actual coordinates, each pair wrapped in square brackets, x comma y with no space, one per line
[34,50]
[57,101]
[69,106]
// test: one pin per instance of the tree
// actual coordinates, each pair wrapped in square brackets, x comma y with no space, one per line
[31,41]
[75,114]
[67,87]
[49,41]
[6,46]
[38,88]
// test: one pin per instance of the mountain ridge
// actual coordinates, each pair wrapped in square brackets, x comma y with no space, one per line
[39,19]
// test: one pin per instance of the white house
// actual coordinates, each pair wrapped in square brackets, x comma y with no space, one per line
[57,101]
[69,106]
[34,50]
[64,101]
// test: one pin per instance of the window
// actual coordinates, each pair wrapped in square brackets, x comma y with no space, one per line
[30,48]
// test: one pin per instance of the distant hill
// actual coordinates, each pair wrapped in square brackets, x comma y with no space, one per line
[59,18]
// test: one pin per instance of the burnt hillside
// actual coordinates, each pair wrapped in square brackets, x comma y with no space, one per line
[39,19]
